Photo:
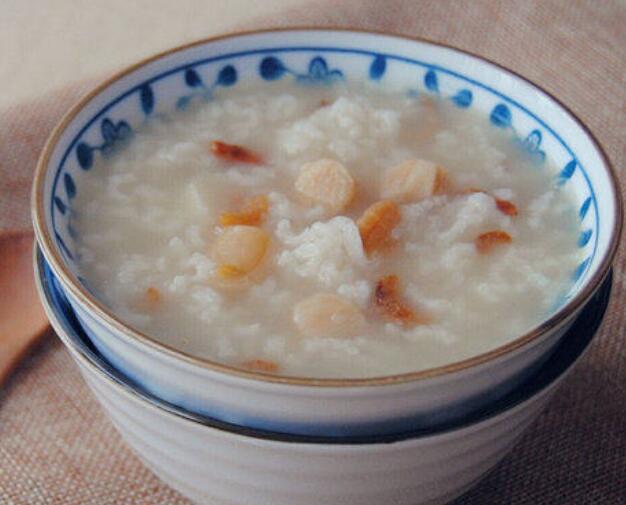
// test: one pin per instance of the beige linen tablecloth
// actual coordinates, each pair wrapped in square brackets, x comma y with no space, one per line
[56,447]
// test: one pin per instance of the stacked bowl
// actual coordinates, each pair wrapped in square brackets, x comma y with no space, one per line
[223,435]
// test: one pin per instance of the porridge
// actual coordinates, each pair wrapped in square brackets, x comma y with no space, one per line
[325,232]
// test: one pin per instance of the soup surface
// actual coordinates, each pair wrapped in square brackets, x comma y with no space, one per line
[336,231]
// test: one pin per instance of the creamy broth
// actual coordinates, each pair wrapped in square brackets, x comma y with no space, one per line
[378,233]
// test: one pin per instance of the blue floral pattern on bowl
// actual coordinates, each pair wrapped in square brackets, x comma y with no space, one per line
[227,76]
[311,67]
[114,135]
[272,68]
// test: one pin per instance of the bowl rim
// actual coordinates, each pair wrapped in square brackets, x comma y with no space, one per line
[549,374]
[81,294]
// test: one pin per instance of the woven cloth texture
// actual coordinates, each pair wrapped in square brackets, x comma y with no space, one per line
[57,447]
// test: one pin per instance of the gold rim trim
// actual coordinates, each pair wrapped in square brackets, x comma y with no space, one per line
[58,266]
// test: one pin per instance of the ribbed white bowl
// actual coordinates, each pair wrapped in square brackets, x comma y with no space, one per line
[216,467]
[238,466]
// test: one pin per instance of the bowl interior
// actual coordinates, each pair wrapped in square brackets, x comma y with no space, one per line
[104,122]
[572,347]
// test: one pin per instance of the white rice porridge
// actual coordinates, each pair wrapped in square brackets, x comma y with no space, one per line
[267,258]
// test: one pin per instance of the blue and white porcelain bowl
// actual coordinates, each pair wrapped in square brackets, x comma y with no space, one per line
[215,463]
[106,118]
